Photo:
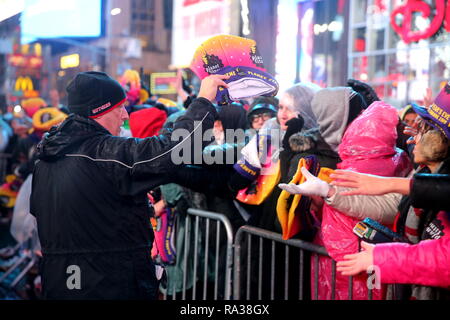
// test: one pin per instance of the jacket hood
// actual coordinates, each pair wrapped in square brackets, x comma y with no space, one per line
[373,134]
[368,145]
[302,95]
[69,134]
[331,108]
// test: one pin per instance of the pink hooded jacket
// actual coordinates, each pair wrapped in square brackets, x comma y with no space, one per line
[368,146]
[425,263]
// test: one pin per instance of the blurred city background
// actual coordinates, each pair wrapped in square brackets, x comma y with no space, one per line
[44,43]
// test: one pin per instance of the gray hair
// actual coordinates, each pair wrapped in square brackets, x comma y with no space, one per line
[302,95]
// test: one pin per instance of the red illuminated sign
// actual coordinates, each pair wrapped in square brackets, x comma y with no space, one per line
[20,60]
[409,8]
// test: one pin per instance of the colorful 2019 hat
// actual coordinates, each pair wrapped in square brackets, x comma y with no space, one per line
[238,57]
[438,114]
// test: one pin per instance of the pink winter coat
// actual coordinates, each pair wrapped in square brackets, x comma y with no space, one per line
[368,146]
[426,263]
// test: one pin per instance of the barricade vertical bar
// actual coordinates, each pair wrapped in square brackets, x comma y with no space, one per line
[216,273]
[228,263]
[249,254]
[237,266]
[174,292]
[260,268]
[300,272]
[316,277]
[194,285]
[205,275]
[333,279]
[350,288]
[272,273]
[286,273]
[186,249]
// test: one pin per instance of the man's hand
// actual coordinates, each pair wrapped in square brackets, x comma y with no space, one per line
[428,98]
[313,186]
[357,262]
[210,85]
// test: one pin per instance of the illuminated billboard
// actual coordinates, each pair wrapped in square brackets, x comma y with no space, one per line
[10,8]
[46,19]
[194,21]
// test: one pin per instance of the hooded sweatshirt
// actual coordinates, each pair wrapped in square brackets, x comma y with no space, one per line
[331,109]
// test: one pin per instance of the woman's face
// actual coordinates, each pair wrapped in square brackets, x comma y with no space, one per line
[410,118]
[285,112]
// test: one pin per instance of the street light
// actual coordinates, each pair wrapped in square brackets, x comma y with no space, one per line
[116,11]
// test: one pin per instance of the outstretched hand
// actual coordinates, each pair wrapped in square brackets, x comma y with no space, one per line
[210,85]
[360,183]
[313,186]
[357,262]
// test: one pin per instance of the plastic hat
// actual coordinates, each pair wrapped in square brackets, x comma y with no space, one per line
[163,250]
[265,182]
[438,114]
[167,102]
[46,118]
[245,82]
[293,210]
[238,57]
[32,105]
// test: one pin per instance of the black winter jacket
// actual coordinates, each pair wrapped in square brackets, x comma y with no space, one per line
[431,191]
[89,197]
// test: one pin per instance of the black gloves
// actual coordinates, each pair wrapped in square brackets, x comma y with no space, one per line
[293,126]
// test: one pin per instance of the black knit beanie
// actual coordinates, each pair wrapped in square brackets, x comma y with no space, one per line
[92,94]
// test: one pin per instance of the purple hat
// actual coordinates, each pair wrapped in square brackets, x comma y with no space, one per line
[438,114]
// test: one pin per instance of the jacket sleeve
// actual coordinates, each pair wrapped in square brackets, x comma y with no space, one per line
[149,162]
[213,180]
[430,191]
[380,208]
[426,263]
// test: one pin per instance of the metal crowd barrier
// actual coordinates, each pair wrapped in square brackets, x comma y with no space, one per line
[243,281]
[201,248]
[269,276]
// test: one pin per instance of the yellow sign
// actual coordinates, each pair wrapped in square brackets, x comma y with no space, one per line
[163,83]
[24,84]
[70,61]
[24,87]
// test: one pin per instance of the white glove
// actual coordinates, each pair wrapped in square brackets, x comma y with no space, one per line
[313,186]
[250,153]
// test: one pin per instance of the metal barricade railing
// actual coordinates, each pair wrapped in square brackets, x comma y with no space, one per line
[244,280]
[208,228]
[215,277]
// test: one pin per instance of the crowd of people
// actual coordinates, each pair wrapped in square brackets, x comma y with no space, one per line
[99,174]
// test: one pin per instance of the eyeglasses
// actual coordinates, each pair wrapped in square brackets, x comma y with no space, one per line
[263,116]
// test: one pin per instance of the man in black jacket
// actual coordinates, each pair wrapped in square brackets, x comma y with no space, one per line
[89,192]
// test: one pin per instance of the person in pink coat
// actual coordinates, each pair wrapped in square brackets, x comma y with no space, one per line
[367,146]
